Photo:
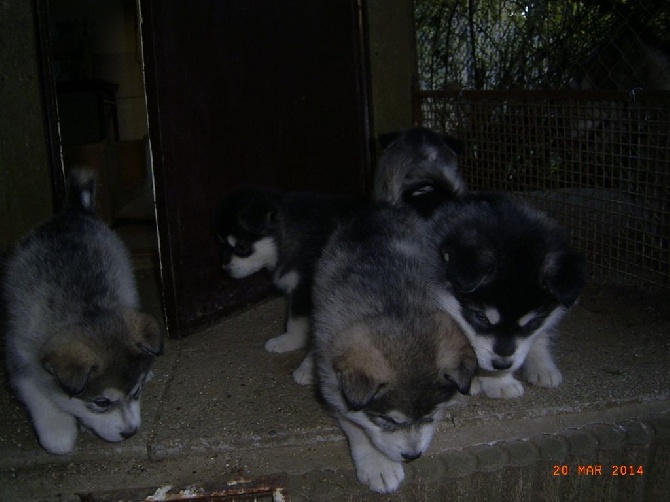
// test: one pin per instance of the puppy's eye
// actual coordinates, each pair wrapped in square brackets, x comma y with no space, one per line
[480,317]
[102,403]
[388,420]
[386,423]
[426,420]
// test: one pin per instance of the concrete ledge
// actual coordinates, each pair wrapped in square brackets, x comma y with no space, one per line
[222,409]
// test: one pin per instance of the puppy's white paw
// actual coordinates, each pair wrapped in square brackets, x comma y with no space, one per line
[296,336]
[547,376]
[504,386]
[380,473]
[284,343]
[304,374]
[59,436]
[539,367]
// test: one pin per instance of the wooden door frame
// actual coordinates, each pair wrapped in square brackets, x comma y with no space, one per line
[165,230]
[166,225]
[50,103]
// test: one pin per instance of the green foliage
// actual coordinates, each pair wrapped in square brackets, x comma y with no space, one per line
[526,44]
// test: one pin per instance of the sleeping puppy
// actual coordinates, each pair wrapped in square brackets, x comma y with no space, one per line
[284,233]
[418,168]
[507,275]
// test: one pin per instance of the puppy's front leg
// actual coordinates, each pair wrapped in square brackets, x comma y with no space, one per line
[539,367]
[297,323]
[373,468]
[496,384]
[296,336]
[304,374]
[56,429]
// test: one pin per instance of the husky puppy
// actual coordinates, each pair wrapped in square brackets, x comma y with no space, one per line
[284,233]
[388,360]
[418,167]
[78,350]
[507,277]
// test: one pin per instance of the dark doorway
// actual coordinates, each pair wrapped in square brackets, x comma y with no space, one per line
[261,92]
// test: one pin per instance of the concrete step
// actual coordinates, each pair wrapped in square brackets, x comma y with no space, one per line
[221,410]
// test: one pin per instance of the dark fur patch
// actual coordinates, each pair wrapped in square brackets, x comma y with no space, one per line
[496,252]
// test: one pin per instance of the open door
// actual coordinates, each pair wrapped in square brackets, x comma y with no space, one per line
[253,92]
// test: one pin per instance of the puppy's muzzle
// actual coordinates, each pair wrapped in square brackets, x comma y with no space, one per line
[129,433]
[410,457]
[501,364]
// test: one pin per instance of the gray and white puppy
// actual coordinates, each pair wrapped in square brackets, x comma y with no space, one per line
[78,350]
[388,360]
[418,168]
[507,275]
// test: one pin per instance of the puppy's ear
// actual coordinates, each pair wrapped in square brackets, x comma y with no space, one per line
[272,217]
[454,143]
[358,388]
[386,139]
[455,357]
[469,267]
[564,276]
[462,376]
[71,362]
[146,333]
[361,369]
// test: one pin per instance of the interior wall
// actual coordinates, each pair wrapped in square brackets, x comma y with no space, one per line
[25,182]
[100,39]
[392,63]
[25,185]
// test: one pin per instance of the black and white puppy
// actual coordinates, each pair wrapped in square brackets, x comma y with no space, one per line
[284,233]
[507,275]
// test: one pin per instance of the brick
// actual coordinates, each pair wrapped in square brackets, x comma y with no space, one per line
[459,463]
[520,453]
[489,457]
[661,426]
[426,470]
[608,436]
[550,447]
[636,432]
[579,441]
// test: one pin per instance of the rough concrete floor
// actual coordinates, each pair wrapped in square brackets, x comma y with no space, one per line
[220,409]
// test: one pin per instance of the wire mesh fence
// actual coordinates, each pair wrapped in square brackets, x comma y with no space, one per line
[566,103]
[597,161]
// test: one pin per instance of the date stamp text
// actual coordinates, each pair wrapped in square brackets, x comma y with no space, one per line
[598,470]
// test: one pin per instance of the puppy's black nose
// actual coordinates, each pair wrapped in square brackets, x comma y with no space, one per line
[409,457]
[129,433]
[501,365]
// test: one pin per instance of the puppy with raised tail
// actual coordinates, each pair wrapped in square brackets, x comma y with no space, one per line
[78,349]
[388,359]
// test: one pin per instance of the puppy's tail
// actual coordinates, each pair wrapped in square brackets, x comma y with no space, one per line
[419,168]
[427,193]
[81,189]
